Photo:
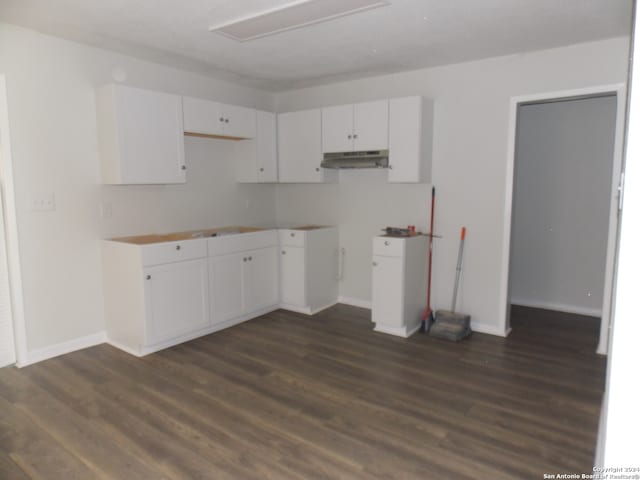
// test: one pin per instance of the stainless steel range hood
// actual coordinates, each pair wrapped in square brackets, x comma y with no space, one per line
[365,159]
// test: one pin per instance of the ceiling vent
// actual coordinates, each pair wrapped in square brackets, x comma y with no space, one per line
[292,15]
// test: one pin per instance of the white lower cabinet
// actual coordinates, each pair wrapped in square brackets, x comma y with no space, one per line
[156,295]
[308,268]
[399,281]
[176,299]
[243,276]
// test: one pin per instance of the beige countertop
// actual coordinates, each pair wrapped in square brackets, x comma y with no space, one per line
[203,233]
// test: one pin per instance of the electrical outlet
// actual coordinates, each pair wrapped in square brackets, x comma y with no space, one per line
[45,202]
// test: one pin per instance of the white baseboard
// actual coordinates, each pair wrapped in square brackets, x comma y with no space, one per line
[404,332]
[355,302]
[558,307]
[40,354]
[489,329]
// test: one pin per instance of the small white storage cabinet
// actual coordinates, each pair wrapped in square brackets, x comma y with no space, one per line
[300,148]
[205,117]
[410,140]
[356,127]
[308,268]
[156,295]
[257,159]
[140,136]
[243,276]
[399,284]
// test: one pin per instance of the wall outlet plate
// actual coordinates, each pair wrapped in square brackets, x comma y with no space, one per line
[44,202]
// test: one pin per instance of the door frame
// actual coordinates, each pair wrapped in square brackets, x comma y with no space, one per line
[11,232]
[620,90]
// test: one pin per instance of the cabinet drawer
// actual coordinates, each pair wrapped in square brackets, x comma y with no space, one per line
[240,242]
[169,252]
[292,238]
[388,247]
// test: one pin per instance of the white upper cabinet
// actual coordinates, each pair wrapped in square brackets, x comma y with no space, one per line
[300,148]
[257,160]
[205,117]
[140,136]
[410,140]
[356,127]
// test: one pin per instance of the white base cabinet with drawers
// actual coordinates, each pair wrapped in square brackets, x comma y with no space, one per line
[308,269]
[399,283]
[156,295]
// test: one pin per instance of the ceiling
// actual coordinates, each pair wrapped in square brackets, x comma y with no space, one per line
[405,35]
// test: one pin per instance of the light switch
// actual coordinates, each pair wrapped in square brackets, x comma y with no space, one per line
[44,202]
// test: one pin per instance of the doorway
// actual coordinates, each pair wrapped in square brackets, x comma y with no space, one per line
[13,348]
[566,151]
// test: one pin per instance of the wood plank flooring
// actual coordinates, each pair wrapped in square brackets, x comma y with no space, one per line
[286,396]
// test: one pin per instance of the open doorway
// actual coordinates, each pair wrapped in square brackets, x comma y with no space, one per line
[12,329]
[566,151]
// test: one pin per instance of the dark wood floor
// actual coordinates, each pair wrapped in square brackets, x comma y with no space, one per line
[287,396]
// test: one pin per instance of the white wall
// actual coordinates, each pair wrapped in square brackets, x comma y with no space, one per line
[470,164]
[50,85]
[563,167]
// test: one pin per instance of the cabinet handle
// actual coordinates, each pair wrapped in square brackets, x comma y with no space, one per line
[148,277]
[183,167]
[390,167]
[244,259]
[226,120]
[177,247]
[262,169]
[292,234]
[349,137]
[375,264]
[317,169]
[222,119]
[355,135]
[283,252]
[250,258]
[386,243]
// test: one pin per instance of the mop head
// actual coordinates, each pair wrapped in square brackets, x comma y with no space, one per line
[451,326]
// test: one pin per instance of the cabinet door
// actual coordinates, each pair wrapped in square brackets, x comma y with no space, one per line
[300,147]
[266,138]
[151,144]
[176,299]
[405,140]
[337,129]
[260,279]
[387,302]
[225,286]
[292,276]
[371,125]
[239,121]
[202,116]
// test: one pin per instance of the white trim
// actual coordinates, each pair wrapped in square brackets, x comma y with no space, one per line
[306,310]
[620,90]
[11,232]
[403,332]
[558,307]
[355,302]
[62,348]
[489,329]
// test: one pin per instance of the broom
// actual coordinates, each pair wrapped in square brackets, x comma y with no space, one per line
[427,315]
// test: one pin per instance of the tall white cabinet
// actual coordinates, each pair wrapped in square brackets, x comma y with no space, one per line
[399,282]
[300,148]
[256,160]
[140,136]
[410,140]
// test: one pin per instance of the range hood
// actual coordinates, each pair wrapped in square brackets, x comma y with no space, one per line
[365,159]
